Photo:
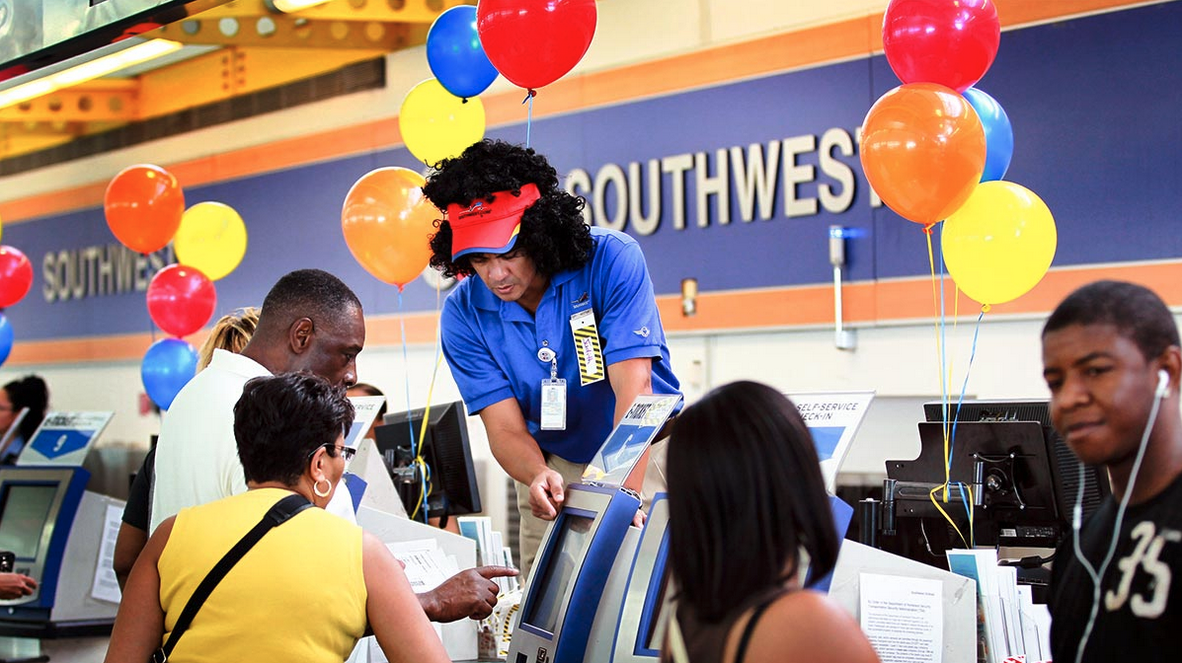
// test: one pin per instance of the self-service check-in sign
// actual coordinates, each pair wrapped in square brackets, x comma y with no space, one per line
[64,438]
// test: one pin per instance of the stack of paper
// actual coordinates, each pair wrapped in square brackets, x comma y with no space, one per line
[1011,626]
[490,546]
[427,566]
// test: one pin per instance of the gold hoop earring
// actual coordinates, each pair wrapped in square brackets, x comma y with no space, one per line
[316,488]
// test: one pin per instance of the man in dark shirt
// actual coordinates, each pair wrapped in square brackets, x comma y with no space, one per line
[1111,359]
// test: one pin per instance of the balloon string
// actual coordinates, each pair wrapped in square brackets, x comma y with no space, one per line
[965,385]
[529,115]
[937,309]
[406,374]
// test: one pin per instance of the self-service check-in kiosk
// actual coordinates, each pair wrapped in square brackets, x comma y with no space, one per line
[572,599]
[644,612]
[55,528]
[619,575]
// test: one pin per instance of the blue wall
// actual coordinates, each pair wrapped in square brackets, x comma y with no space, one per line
[1094,103]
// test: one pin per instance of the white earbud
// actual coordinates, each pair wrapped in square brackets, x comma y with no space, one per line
[1163,383]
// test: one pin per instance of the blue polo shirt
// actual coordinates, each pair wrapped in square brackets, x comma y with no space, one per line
[492,346]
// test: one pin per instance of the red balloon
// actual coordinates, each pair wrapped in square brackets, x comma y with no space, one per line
[941,41]
[181,300]
[143,205]
[16,276]
[535,42]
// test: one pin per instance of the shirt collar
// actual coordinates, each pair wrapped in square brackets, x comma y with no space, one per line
[237,364]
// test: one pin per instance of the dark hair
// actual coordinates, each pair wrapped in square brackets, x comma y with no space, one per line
[553,234]
[371,390]
[745,494]
[1135,311]
[281,419]
[311,293]
[31,392]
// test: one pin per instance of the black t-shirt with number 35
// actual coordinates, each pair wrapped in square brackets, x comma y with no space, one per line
[1140,615]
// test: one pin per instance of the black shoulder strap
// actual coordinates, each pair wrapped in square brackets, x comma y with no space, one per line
[284,510]
[749,629]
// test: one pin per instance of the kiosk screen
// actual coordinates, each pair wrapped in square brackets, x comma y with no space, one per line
[565,557]
[23,510]
[662,609]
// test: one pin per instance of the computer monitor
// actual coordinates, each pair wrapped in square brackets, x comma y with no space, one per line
[37,508]
[576,558]
[451,478]
[1064,465]
[1023,477]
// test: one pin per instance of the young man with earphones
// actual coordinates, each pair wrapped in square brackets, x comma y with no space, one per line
[1112,361]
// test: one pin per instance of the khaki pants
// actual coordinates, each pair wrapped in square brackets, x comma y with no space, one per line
[534,528]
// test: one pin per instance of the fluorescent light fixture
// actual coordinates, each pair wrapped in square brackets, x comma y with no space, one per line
[95,67]
[289,6]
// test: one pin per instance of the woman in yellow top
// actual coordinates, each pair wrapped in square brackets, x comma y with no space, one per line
[310,587]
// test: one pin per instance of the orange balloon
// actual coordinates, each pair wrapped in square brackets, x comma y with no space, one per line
[923,151]
[388,223]
[143,206]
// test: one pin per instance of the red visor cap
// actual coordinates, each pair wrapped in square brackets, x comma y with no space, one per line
[489,226]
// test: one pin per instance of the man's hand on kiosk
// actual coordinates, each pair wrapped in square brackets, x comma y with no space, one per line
[16,585]
[546,494]
[469,593]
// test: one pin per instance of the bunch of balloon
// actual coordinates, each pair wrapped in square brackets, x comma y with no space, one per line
[440,117]
[1000,243]
[143,205]
[388,223]
[436,125]
[923,144]
[535,42]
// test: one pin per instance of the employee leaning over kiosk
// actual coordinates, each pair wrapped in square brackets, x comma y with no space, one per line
[305,590]
[559,333]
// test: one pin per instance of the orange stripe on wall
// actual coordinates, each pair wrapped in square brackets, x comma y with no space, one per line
[865,304]
[379,331]
[806,47]
[895,301]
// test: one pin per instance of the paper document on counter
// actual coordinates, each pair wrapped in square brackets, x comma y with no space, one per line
[903,617]
[106,586]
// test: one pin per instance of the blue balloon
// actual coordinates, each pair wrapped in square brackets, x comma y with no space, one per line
[6,338]
[455,55]
[168,365]
[999,135]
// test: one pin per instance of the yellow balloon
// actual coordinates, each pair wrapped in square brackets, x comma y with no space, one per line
[436,125]
[211,238]
[1000,243]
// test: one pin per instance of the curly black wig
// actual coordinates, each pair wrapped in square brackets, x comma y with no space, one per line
[553,234]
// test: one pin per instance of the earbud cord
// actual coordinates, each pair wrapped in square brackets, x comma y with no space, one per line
[1077,524]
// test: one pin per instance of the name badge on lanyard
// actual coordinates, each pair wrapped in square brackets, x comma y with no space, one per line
[553,394]
[590,355]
